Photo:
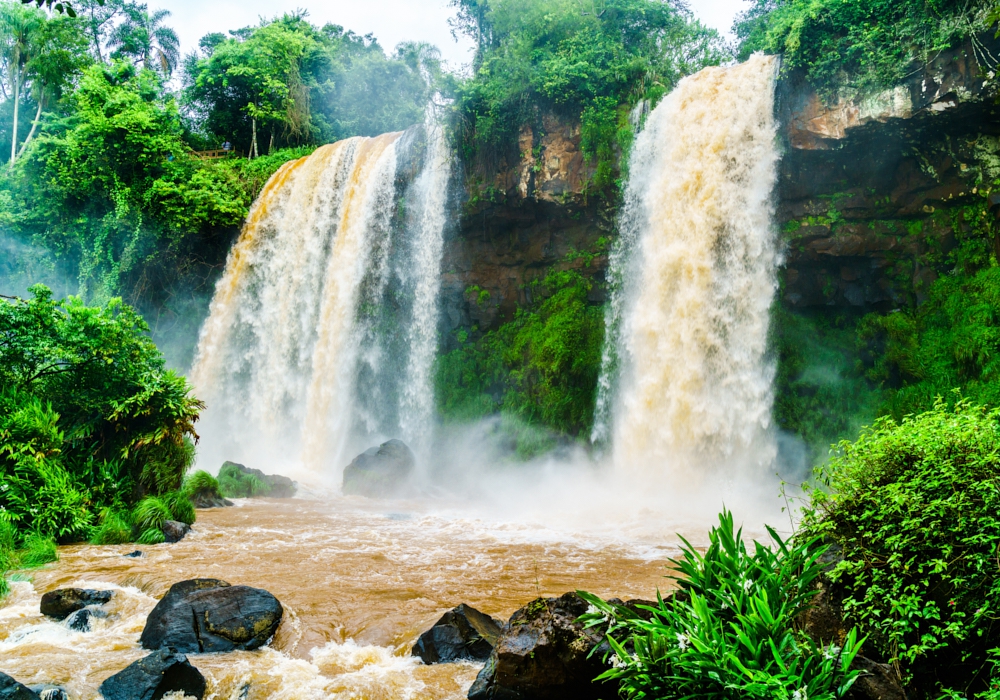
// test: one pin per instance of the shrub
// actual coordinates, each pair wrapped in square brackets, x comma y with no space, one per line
[114,528]
[915,507]
[150,513]
[38,551]
[152,535]
[181,508]
[235,483]
[201,483]
[729,632]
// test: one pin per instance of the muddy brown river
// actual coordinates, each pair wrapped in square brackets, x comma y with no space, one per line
[359,581]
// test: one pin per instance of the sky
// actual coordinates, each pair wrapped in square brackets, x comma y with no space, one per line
[391,21]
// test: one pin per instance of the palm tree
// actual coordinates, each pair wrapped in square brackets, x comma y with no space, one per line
[144,38]
[19,27]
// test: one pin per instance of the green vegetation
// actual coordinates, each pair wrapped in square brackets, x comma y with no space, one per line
[541,367]
[235,483]
[586,60]
[201,485]
[868,45]
[730,630]
[914,507]
[90,423]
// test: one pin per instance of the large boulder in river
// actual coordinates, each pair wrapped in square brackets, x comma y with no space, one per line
[208,615]
[461,633]
[12,690]
[63,602]
[153,677]
[380,471]
[174,531]
[544,654]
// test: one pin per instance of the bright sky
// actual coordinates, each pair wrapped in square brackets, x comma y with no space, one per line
[391,21]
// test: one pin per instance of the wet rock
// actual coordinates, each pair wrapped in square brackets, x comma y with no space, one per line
[277,486]
[462,633]
[50,692]
[153,677]
[63,602]
[877,682]
[380,471]
[174,531]
[543,653]
[209,500]
[134,555]
[209,615]
[79,621]
[12,690]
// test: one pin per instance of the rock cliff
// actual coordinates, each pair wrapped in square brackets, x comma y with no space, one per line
[872,195]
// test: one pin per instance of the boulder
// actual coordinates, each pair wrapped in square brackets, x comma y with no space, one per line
[174,531]
[876,682]
[277,486]
[63,602]
[543,653]
[133,555]
[12,690]
[380,471]
[153,677]
[461,633]
[79,621]
[205,499]
[208,615]
[50,692]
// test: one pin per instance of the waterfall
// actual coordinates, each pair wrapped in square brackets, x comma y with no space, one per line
[323,328]
[686,384]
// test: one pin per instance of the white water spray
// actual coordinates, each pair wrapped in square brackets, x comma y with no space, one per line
[693,279]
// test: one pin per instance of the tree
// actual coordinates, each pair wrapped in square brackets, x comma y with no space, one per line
[19,33]
[143,38]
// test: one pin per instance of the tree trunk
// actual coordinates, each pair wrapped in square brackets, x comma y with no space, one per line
[34,125]
[17,100]
[253,141]
[270,146]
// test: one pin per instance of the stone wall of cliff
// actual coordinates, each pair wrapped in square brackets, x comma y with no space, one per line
[872,195]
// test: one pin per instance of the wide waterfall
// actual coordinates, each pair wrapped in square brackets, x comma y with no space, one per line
[686,385]
[323,329]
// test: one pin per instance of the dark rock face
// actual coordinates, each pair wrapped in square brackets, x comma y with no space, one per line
[174,531]
[133,555]
[12,690]
[209,615]
[50,692]
[542,654]
[381,471]
[278,486]
[462,633]
[63,602]
[153,677]
[79,621]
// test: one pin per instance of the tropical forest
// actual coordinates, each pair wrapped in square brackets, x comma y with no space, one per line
[500,350]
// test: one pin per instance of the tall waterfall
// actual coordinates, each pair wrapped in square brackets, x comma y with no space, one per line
[686,382]
[323,329]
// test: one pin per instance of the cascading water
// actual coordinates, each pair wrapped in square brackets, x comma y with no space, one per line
[300,360]
[686,382]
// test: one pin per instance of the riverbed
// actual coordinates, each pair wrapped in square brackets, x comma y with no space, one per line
[359,581]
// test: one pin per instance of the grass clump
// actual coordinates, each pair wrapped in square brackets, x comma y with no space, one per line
[38,551]
[150,514]
[915,506]
[202,486]
[114,528]
[180,507]
[236,483]
[729,632]
[151,535]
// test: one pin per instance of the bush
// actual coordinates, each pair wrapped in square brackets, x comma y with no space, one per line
[153,535]
[235,483]
[181,508]
[89,416]
[915,507]
[38,551]
[201,483]
[150,514]
[114,528]
[729,631]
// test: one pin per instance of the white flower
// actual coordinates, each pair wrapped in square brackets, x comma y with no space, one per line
[747,585]
[682,641]
[616,662]
[800,695]
[831,652]
[592,609]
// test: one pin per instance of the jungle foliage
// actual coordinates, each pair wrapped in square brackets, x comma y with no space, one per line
[586,59]
[729,630]
[865,44]
[91,422]
[913,506]
[541,366]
